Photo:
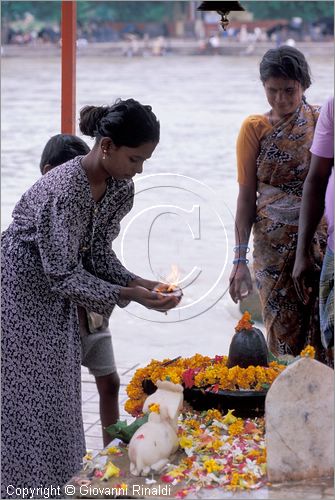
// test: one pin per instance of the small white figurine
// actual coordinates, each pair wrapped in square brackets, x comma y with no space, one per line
[154,442]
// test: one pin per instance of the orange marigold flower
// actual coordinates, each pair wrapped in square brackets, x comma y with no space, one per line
[213,415]
[236,428]
[245,322]
[308,352]
[134,406]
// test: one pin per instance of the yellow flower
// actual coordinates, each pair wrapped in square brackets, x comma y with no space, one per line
[193,424]
[260,374]
[236,428]
[185,442]
[308,352]
[196,432]
[261,459]
[216,444]
[154,408]
[213,415]
[229,418]
[235,480]
[211,465]
[111,471]
[176,473]
[112,450]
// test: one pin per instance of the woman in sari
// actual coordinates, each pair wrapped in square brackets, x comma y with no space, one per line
[273,161]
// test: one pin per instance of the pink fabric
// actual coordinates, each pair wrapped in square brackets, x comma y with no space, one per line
[330,211]
[323,145]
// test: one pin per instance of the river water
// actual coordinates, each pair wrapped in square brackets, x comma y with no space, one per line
[183,210]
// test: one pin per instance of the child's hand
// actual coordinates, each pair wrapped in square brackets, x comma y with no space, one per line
[153,299]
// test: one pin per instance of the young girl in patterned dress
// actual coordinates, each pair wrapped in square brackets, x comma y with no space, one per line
[56,256]
[97,352]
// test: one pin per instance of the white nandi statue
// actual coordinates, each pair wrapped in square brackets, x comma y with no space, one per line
[154,442]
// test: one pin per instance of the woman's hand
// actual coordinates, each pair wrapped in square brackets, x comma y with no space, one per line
[302,271]
[240,282]
[150,299]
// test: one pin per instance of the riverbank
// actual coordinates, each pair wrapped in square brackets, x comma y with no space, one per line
[171,46]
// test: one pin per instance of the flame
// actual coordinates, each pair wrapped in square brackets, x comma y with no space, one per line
[173,279]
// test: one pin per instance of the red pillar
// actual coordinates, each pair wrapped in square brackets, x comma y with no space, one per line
[69,36]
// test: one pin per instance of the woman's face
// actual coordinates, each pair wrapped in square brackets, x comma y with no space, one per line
[124,162]
[284,96]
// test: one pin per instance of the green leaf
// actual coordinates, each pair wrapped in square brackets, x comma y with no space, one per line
[121,430]
[272,357]
[285,360]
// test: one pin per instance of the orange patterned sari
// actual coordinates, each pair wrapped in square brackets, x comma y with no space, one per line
[282,167]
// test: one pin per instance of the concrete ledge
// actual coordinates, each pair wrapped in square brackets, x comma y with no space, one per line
[174,47]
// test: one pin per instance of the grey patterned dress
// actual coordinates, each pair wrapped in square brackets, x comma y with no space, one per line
[56,255]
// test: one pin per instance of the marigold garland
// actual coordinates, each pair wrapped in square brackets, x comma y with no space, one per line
[200,371]
[204,372]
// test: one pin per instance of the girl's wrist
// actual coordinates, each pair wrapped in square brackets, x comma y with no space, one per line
[149,285]
[126,293]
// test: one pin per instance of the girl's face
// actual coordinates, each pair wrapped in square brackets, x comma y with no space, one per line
[124,162]
[284,96]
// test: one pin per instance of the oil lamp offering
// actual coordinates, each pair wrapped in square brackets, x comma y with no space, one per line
[171,286]
[222,8]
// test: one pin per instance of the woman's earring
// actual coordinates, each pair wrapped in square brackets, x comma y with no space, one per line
[104,154]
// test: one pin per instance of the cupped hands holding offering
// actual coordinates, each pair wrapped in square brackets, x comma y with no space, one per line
[152,294]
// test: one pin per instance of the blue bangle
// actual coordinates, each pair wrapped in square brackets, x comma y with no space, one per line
[243,245]
[240,259]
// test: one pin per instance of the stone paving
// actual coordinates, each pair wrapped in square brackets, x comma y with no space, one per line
[90,405]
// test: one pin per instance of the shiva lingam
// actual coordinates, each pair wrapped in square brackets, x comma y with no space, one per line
[222,8]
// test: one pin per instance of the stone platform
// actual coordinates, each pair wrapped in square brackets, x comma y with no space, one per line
[306,490]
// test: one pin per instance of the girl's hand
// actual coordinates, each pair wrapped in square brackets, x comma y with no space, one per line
[164,288]
[151,299]
[240,282]
[138,281]
[156,286]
